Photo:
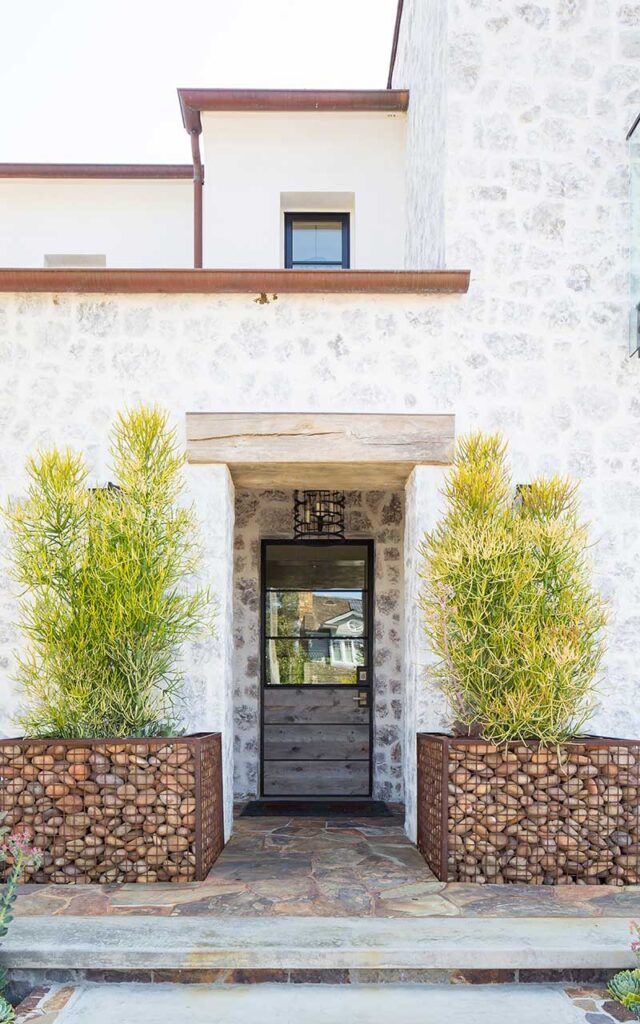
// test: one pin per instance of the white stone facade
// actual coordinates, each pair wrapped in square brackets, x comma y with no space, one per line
[516,168]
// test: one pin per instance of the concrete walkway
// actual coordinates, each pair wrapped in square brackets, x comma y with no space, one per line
[306,1004]
[139,943]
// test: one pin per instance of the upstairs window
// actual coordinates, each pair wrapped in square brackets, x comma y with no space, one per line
[316,241]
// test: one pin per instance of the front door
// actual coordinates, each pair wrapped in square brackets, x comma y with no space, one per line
[317,602]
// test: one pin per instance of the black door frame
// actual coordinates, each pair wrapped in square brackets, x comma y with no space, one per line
[369,544]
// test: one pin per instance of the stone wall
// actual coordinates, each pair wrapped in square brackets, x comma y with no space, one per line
[421,66]
[566,397]
[369,514]
[538,100]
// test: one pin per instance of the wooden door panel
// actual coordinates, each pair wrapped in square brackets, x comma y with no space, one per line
[317,778]
[302,742]
[299,705]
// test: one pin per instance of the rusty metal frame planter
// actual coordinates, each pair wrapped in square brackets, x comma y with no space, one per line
[525,813]
[95,815]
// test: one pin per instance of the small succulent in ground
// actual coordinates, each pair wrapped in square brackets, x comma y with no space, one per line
[625,988]
[16,848]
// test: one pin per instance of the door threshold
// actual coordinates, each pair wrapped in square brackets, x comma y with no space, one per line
[317,807]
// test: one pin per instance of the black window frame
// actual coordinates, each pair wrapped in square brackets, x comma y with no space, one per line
[345,220]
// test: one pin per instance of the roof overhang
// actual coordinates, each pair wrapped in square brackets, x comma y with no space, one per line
[146,172]
[193,102]
[264,283]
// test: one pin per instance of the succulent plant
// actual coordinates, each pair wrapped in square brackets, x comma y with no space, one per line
[7,1013]
[625,987]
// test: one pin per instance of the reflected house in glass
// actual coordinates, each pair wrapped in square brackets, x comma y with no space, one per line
[315,629]
[316,685]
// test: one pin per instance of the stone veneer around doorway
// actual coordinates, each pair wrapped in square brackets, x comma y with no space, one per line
[369,514]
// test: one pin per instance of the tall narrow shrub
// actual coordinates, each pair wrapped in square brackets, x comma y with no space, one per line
[508,601]
[106,604]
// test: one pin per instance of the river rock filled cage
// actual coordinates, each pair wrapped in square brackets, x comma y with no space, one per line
[122,810]
[524,812]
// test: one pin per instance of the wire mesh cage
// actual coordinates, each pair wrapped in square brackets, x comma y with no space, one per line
[120,810]
[526,813]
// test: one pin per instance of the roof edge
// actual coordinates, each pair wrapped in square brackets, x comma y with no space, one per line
[195,101]
[248,282]
[394,44]
[129,171]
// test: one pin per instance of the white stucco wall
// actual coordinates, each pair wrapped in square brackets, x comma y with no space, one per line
[133,223]
[208,662]
[252,158]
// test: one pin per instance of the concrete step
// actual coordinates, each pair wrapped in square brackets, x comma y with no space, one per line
[125,943]
[304,1004]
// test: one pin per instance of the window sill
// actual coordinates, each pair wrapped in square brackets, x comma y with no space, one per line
[262,282]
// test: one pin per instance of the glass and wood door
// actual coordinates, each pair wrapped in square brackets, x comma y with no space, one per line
[316,668]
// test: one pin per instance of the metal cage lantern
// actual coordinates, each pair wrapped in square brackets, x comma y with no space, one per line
[318,515]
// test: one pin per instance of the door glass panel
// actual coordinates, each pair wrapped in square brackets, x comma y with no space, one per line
[314,661]
[316,567]
[315,613]
[307,612]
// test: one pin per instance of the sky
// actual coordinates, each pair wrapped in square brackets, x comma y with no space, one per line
[94,81]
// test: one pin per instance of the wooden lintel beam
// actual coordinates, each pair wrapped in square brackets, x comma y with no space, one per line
[320,449]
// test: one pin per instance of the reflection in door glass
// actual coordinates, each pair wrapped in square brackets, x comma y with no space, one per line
[315,614]
[305,612]
[314,660]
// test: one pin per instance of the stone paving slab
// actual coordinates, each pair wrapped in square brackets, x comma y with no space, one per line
[307,867]
[303,1004]
[141,943]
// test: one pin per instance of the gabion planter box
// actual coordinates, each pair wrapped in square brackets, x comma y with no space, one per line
[124,810]
[520,812]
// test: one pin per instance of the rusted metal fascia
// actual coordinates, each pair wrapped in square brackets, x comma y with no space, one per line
[192,101]
[101,171]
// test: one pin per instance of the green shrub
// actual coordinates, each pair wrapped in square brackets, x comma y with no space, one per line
[509,606]
[105,608]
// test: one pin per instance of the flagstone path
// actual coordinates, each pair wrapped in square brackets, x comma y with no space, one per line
[308,867]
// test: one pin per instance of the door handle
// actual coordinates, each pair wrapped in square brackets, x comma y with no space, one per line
[362,698]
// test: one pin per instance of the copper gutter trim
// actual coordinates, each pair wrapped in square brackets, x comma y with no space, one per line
[394,44]
[198,182]
[128,171]
[266,284]
[193,125]
[193,101]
